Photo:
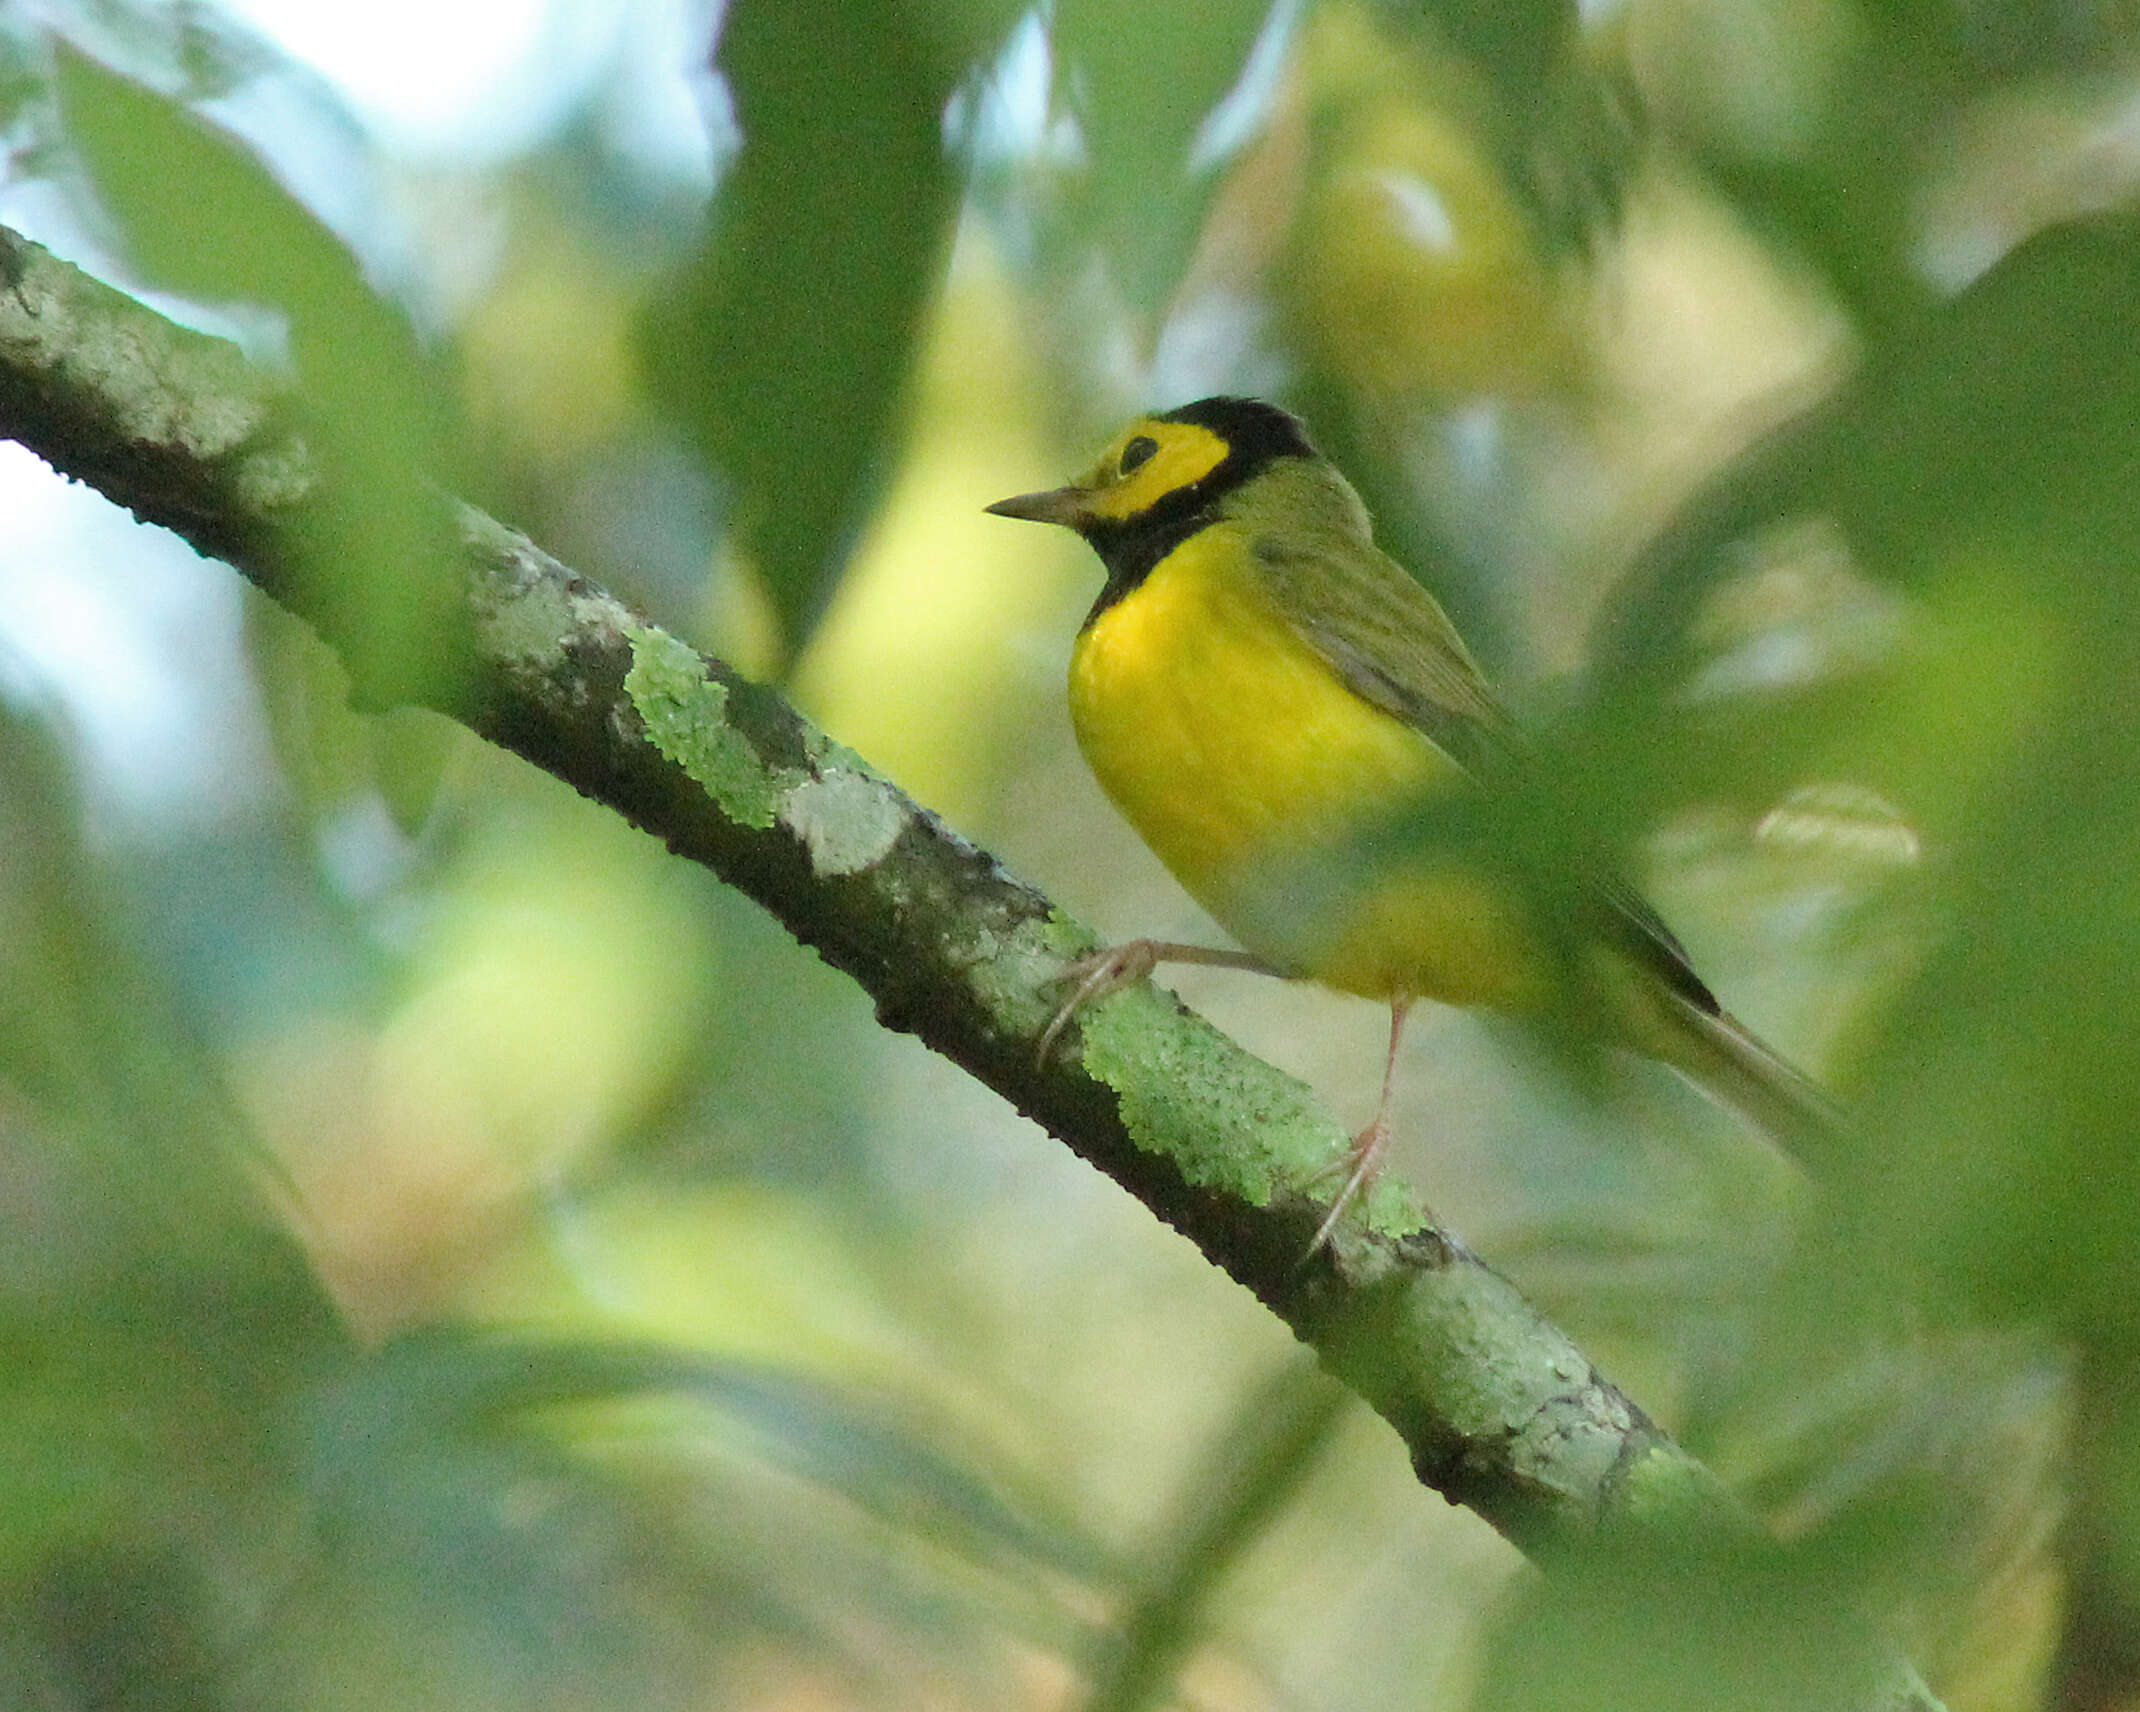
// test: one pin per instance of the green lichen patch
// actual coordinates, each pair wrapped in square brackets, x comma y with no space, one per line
[1390,1207]
[686,717]
[1663,1487]
[1228,1120]
[1226,1117]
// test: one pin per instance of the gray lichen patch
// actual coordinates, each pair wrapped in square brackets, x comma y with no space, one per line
[528,607]
[531,627]
[1018,973]
[847,820]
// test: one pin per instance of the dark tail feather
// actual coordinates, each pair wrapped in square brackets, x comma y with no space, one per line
[1725,1059]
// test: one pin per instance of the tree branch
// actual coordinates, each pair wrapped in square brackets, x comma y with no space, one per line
[1501,1412]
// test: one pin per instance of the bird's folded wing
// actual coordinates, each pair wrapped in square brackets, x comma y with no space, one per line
[1391,644]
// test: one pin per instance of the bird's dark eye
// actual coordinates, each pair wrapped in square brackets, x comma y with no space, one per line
[1138,451]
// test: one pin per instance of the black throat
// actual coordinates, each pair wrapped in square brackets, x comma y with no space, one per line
[1255,433]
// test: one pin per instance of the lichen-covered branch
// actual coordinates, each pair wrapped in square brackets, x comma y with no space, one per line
[1501,1412]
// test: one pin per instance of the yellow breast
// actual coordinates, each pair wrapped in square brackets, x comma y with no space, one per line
[1276,795]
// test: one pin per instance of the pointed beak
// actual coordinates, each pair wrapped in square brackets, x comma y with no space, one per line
[1064,505]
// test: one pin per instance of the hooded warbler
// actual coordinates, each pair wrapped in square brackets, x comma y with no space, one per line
[1274,705]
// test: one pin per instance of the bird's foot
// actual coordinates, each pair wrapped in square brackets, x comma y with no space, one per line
[1362,1164]
[1096,976]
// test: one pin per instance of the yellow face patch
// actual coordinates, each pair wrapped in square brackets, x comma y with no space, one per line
[1147,461]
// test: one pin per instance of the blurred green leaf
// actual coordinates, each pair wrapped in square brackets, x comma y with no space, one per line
[126,1142]
[1565,130]
[454,1383]
[149,1305]
[1824,122]
[1981,466]
[231,232]
[472,1489]
[330,753]
[1143,81]
[2099,1653]
[1255,1465]
[1985,466]
[1671,1630]
[1979,461]
[213,51]
[203,217]
[785,346]
[21,86]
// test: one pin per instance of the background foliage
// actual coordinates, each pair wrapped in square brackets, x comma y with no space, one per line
[457,1256]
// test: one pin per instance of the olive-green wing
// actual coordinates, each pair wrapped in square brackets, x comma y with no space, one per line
[1394,647]
[1389,641]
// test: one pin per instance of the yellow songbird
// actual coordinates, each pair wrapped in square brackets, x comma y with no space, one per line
[1276,707]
